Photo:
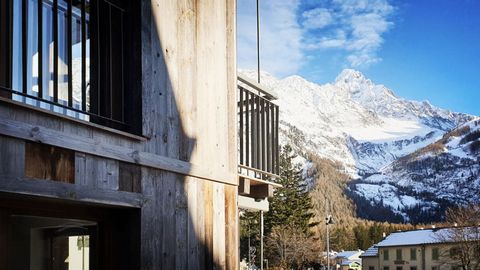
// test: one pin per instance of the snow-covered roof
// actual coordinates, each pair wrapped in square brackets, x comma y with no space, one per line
[418,237]
[371,252]
[349,254]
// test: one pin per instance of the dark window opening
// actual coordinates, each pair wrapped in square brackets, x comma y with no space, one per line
[385,255]
[399,254]
[435,254]
[75,57]
[413,254]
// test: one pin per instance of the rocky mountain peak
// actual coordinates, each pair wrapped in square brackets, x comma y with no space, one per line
[348,75]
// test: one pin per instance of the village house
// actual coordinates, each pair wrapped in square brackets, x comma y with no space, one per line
[348,260]
[127,141]
[425,249]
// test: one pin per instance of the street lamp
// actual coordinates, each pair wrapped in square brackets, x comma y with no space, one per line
[328,221]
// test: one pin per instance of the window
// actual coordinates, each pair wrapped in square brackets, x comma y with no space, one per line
[413,268]
[435,268]
[386,268]
[385,255]
[75,57]
[371,268]
[435,254]
[399,268]
[413,254]
[399,254]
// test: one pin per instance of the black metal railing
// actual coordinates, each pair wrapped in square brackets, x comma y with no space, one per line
[258,120]
[54,43]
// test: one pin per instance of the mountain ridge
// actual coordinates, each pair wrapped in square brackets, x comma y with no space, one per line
[364,126]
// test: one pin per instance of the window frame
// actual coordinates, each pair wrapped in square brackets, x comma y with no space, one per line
[385,255]
[398,254]
[413,254]
[435,254]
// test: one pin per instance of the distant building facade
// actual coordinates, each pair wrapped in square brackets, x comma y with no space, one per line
[414,250]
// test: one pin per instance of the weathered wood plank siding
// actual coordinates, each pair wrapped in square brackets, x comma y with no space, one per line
[12,156]
[182,174]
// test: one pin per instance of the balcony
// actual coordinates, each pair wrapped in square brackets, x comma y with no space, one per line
[258,150]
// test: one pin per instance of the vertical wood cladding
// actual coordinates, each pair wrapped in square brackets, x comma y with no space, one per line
[12,156]
[188,109]
[129,177]
[188,223]
[50,163]
[189,114]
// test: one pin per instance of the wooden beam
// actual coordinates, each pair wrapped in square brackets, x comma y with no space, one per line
[255,181]
[70,192]
[90,146]
[261,191]
[244,186]
[34,109]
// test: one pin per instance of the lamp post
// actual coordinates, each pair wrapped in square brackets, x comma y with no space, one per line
[328,221]
[261,240]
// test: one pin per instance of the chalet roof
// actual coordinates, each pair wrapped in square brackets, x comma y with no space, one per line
[422,237]
[349,254]
[371,252]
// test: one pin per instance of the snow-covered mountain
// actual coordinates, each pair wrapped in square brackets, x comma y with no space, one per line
[363,125]
[442,173]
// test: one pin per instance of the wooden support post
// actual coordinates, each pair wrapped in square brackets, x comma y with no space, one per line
[244,186]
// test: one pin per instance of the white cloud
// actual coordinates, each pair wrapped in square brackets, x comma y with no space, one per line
[317,18]
[336,40]
[281,36]
[361,23]
[289,35]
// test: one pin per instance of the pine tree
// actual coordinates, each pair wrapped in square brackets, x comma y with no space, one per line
[288,238]
[290,204]
[290,242]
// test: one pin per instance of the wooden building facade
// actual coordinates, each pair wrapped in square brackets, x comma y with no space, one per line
[119,135]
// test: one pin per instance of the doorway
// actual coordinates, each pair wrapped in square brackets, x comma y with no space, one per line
[45,234]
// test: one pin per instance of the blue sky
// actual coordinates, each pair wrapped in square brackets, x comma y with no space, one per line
[421,49]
